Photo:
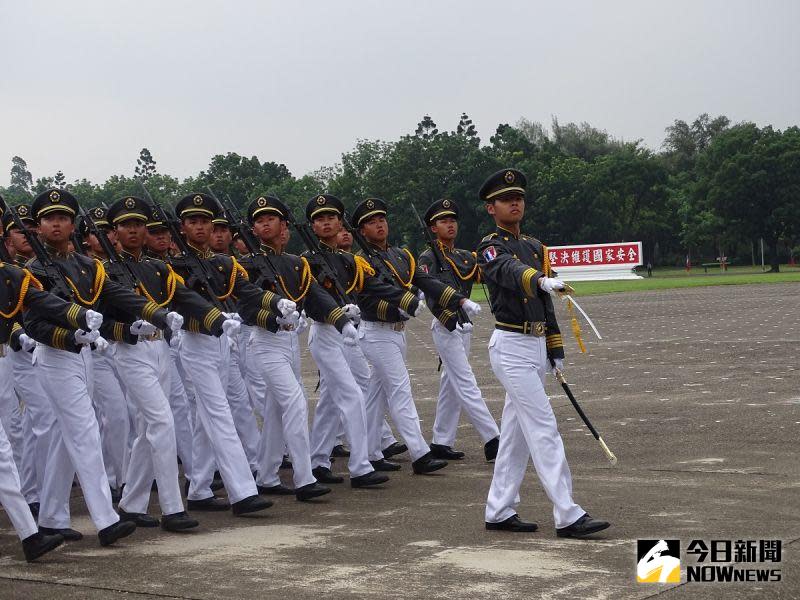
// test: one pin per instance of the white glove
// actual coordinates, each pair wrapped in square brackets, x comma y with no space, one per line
[558,365]
[465,327]
[175,338]
[292,320]
[174,321]
[93,319]
[353,313]
[286,307]
[234,316]
[551,285]
[143,328]
[101,344]
[230,327]
[27,342]
[420,308]
[470,307]
[302,324]
[421,296]
[350,334]
[83,337]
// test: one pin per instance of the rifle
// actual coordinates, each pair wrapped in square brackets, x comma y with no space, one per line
[52,272]
[119,270]
[4,255]
[321,259]
[443,266]
[261,261]
[376,261]
[199,270]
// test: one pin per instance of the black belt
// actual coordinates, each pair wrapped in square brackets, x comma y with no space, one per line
[534,328]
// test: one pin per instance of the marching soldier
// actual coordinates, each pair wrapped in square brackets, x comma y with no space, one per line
[457,386]
[274,346]
[205,356]
[340,398]
[19,291]
[64,367]
[383,339]
[237,392]
[107,393]
[525,345]
[360,369]
[145,367]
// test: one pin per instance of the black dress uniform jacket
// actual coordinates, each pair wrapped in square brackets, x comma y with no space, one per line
[356,276]
[511,268]
[21,291]
[159,283]
[232,280]
[296,282]
[410,279]
[464,265]
[91,288]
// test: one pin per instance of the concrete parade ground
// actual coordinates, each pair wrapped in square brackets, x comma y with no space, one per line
[696,390]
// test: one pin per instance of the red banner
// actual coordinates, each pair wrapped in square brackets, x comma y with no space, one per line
[623,254]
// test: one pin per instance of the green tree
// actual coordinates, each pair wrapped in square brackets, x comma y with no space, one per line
[145,165]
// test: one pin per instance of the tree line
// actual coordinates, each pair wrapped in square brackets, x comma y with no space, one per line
[713,189]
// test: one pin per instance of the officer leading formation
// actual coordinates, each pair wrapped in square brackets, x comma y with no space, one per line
[133,339]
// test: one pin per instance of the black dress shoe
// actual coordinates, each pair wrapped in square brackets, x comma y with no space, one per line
[250,504]
[112,533]
[384,465]
[368,479]
[34,506]
[324,475]
[310,491]
[445,452]
[394,449]
[178,522]
[427,464]
[275,490]
[39,543]
[216,484]
[138,519]
[68,534]
[513,523]
[490,449]
[340,451]
[584,526]
[285,463]
[212,504]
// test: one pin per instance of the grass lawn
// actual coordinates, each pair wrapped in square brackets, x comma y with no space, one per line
[678,278]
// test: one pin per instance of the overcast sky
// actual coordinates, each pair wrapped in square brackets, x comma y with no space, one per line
[85,85]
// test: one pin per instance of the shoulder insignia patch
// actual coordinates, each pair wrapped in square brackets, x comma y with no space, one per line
[490,253]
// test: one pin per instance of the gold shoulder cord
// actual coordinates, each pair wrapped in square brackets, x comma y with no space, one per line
[411,270]
[455,268]
[363,269]
[27,280]
[99,280]
[172,283]
[235,269]
[305,282]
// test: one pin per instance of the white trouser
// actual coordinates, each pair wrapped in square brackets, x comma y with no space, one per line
[65,377]
[112,409]
[202,462]
[338,388]
[10,495]
[145,370]
[252,372]
[206,360]
[458,388]
[242,410]
[10,410]
[285,406]
[390,388]
[181,414]
[528,430]
[39,421]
